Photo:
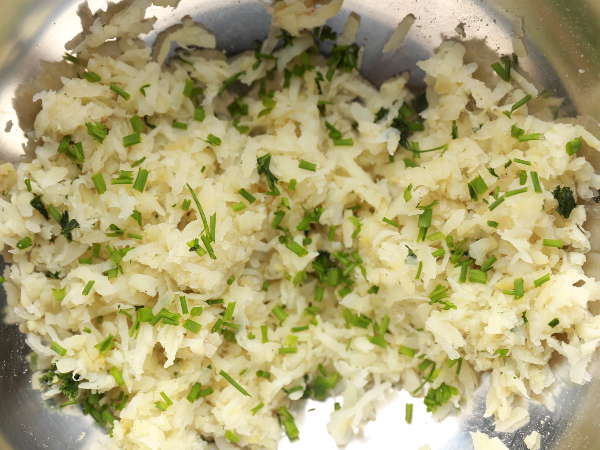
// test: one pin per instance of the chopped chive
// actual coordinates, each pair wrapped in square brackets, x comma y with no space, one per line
[92,77]
[24,243]
[477,187]
[183,304]
[213,140]
[299,329]
[132,139]
[137,124]
[306,165]
[522,161]
[234,383]
[292,184]
[107,343]
[143,89]
[407,351]
[573,146]
[502,68]
[280,313]
[120,92]
[197,392]
[419,270]
[99,183]
[215,301]
[535,180]
[263,374]
[118,376]
[492,223]
[501,352]
[438,253]
[229,310]
[232,436]
[391,222]
[519,134]
[59,294]
[519,288]
[464,271]
[138,162]
[28,184]
[319,293]
[497,203]
[517,105]
[407,193]
[408,413]
[199,114]
[264,333]
[293,246]
[287,422]
[554,322]
[553,243]
[515,192]
[97,130]
[257,408]
[522,177]
[196,311]
[238,206]
[487,265]
[137,216]
[88,287]
[213,227]
[57,348]
[199,207]
[477,276]
[163,404]
[541,280]
[179,125]
[247,195]
[185,205]
[454,132]
[192,326]
[140,180]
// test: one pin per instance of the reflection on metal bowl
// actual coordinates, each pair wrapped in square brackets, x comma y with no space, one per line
[564,56]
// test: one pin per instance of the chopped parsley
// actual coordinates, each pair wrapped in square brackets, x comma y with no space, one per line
[572,147]
[566,200]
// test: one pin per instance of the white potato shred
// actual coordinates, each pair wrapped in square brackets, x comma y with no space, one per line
[193,247]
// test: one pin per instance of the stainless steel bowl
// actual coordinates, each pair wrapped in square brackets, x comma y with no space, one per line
[563,40]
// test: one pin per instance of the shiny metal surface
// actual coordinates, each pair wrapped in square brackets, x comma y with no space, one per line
[563,39]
